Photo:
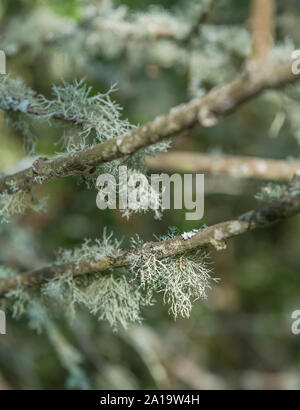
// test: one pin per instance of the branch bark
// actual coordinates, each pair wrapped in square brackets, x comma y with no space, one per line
[234,166]
[287,206]
[262,27]
[207,110]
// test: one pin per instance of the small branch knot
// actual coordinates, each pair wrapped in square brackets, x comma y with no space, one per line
[38,164]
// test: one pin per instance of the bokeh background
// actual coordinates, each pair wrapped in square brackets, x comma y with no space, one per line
[240,337]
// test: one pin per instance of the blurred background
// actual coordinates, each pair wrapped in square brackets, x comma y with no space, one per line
[240,337]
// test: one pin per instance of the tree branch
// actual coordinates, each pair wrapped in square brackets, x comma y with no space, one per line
[287,206]
[219,101]
[262,27]
[202,19]
[234,166]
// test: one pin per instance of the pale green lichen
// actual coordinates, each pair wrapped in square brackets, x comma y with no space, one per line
[30,33]
[119,296]
[70,358]
[16,203]
[6,272]
[218,244]
[15,99]
[15,95]
[270,192]
[147,197]
[98,116]
[186,280]
[97,249]
[182,279]
[91,119]
[110,297]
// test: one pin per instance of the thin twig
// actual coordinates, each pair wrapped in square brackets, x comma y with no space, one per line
[234,166]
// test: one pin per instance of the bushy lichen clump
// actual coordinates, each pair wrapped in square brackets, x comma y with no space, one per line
[18,202]
[15,99]
[70,358]
[118,296]
[91,118]
[15,95]
[182,279]
[96,116]
[270,192]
